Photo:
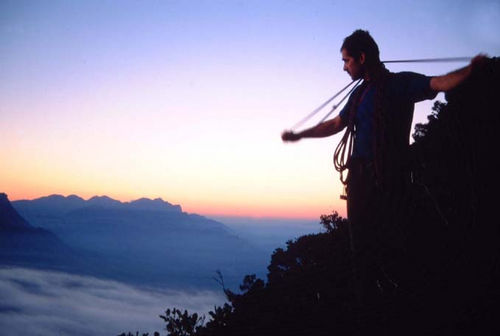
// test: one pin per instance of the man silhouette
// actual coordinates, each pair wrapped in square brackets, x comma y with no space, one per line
[378,116]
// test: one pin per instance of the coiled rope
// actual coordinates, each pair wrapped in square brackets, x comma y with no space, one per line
[344,148]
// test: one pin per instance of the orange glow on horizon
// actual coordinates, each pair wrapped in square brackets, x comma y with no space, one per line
[284,210]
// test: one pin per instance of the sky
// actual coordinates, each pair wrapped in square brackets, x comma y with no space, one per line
[186,100]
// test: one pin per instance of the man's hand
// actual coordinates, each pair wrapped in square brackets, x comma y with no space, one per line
[290,136]
[453,79]
[478,61]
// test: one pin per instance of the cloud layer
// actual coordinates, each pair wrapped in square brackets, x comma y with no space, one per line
[35,302]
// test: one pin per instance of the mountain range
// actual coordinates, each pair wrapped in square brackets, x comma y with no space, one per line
[147,242]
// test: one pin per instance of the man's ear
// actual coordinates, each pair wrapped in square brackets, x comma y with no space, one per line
[362,58]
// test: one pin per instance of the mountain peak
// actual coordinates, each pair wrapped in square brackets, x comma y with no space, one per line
[103,201]
[155,204]
[60,198]
[101,198]
[53,197]
[9,218]
[74,198]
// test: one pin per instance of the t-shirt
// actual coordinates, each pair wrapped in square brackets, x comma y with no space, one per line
[402,90]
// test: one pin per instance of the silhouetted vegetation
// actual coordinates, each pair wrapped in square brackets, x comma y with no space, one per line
[442,278]
[182,323]
[307,283]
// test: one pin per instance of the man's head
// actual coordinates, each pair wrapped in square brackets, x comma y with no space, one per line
[360,54]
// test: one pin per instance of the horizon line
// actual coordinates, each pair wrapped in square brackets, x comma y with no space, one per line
[215,213]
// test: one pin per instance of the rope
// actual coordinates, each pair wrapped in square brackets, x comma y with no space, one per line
[322,106]
[344,148]
[334,107]
[422,60]
[432,60]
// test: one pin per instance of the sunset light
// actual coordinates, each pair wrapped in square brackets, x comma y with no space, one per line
[186,100]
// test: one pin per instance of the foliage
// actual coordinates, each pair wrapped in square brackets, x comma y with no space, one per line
[182,323]
[219,319]
[457,186]
[301,286]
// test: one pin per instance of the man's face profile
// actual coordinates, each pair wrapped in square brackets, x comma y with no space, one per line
[353,67]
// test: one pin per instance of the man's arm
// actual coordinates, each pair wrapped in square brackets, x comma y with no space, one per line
[322,130]
[453,79]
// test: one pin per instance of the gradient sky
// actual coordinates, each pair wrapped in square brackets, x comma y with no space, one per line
[186,100]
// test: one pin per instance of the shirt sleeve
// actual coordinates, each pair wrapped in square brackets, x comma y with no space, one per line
[416,87]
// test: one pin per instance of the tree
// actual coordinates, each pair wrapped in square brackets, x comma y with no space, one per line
[182,323]
[218,323]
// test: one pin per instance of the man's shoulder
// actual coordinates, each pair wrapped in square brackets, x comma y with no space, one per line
[412,85]
[404,79]
[406,75]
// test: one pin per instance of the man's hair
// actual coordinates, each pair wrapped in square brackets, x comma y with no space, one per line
[361,42]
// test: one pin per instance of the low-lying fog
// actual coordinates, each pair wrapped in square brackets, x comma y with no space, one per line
[35,302]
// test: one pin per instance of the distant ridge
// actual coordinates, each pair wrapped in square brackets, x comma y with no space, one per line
[145,240]
[59,204]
